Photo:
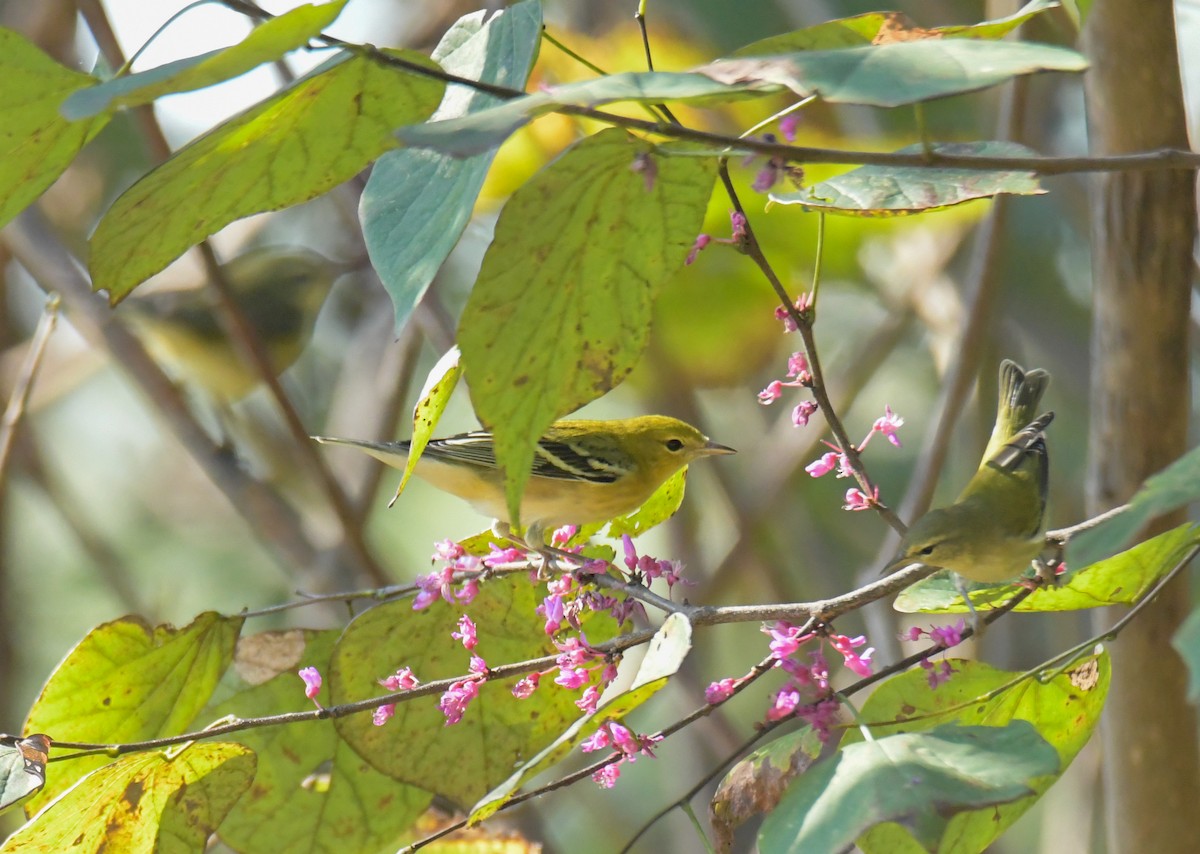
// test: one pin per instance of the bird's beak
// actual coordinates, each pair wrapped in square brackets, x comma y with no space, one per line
[713,449]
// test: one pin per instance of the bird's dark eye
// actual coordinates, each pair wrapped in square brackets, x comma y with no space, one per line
[674,444]
[928,550]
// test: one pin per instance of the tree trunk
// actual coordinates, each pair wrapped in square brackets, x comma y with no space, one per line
[1143,231]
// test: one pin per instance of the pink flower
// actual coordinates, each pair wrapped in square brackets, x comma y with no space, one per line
[456,699]
[719,692]
[447,550]
[821,716]
[435,585]
[500,556]
[596,741]
[771,393]
[478,666]
[571,678]
[913,634]
[312,682]
[552,609]
[590,700]
[467,592]
[803,411]
[402,680]
[829,461]
[525,686]
[622,738]
[631,555]
[607,776]
[948,636]
[702,240]
[466,633]
[856,499]
[767,175]
[788,125]
[798,368]
[574,652]
[595,566]
[785,640]
[859,663]
[383,714]
[739,225]
[888,425]
[563,535]
[784,703]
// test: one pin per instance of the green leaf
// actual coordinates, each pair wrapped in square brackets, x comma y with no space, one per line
[884,27]
[1121,580]
[755,784]
[664,656]
[417,202]
[486,129]
[1187,644]
[266,43]
[918,778]
[561,310]
[1173,487]
[312,792]
[893,75]
[1064,710]
[428,411]
[658,508]
[898,190]
[286,150]
[22,767]
[498,732]
[36,143]
[144,802]
[128,681]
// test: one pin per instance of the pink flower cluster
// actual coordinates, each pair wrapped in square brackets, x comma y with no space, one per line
[836,460]
[651,568]
[439,584]
[807,694]
[737,237]
[804,303]
[798,376]
[402,680]
[573,673]
[943,637]
[627,746]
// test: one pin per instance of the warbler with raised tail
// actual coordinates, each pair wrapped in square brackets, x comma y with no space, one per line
[997,526]
[583,471]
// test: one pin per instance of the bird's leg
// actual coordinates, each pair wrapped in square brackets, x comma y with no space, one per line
[1050,571]
[977,624]
[533,541]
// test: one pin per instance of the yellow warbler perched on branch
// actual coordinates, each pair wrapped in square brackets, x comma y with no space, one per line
[280,291]
[997,526]
[583,471]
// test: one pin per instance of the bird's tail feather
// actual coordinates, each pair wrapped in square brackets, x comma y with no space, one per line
[1020,392]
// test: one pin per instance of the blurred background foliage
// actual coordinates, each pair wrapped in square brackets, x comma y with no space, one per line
[104,513]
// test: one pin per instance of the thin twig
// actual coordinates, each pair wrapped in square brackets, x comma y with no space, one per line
[754,250]
[19,398]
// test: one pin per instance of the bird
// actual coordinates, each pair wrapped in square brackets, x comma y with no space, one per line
[280,291]
[997,525]
[583,471]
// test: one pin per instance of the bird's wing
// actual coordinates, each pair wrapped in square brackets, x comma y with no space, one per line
[562,460]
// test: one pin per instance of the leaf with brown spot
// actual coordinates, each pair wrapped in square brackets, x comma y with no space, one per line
[143,802]
[755,784]
[128,681]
